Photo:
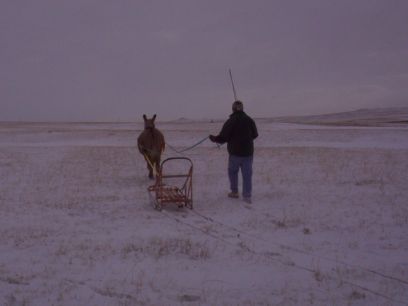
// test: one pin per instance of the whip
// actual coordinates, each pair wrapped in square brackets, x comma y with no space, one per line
[233,86]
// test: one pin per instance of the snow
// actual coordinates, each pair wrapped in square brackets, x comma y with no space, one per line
[328,224]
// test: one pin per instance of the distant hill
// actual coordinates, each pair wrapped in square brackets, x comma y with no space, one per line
[362,117]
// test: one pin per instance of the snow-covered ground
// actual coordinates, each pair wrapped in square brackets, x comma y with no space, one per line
[328,224]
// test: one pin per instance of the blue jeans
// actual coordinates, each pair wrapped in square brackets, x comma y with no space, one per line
[245,164]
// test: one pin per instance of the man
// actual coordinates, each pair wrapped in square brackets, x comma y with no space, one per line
[239,132]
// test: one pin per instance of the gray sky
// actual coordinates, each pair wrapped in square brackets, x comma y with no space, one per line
[86,60]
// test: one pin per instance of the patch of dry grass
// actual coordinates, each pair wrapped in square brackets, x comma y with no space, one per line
[162,247]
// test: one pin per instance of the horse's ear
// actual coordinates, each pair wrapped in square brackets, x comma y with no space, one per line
[154,117]
[144,117]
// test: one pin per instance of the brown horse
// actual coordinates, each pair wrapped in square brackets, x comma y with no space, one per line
[151,145]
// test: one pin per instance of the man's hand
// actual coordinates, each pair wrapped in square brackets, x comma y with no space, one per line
[212,138]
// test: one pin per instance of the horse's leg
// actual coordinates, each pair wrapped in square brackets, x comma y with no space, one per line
[150,172]
[149,167]
[157,163]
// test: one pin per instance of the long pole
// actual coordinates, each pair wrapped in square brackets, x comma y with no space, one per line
[232,83]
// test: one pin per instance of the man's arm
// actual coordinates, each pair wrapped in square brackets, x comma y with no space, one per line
[224,135]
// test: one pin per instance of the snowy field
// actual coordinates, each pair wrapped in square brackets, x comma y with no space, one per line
[328,224]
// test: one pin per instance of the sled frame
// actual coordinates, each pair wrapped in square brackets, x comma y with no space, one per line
[181,194]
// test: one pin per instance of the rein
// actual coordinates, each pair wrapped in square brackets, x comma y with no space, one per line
[189,148]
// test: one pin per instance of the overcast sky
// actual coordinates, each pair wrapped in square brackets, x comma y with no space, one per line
[92,60]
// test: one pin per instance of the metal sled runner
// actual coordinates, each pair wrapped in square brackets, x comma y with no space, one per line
[172,186]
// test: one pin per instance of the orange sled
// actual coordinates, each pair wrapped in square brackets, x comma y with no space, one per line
[174,186]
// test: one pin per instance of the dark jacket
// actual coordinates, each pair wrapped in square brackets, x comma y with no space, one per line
[239,131]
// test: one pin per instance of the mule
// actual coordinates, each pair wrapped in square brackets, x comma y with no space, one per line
[151,145]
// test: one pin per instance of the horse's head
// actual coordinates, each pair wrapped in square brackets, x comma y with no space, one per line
[149,123]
